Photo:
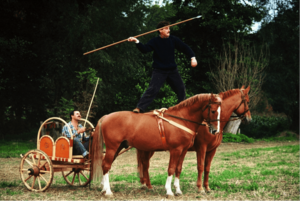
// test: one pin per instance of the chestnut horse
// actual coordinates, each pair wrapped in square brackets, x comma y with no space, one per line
[205,143]
[140,130]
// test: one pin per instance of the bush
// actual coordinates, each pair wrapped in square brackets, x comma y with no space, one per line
[229,137]
[265,126]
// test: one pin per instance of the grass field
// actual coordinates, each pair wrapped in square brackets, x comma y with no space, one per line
[257,171]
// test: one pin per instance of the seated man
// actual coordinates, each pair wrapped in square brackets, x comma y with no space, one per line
[79,148]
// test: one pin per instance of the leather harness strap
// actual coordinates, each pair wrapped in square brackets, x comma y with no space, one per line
[159,114]
[162,131]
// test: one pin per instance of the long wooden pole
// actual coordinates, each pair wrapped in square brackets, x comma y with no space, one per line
[141,35]
[87,116]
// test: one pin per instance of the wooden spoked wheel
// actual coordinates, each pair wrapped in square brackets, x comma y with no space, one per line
[78,176]
[36,170]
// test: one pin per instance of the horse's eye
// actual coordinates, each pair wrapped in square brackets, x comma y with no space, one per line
[213,112]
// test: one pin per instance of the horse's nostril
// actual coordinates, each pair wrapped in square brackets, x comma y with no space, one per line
[214,131]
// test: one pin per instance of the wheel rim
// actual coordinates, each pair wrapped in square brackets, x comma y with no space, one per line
[77,176]
[36,170]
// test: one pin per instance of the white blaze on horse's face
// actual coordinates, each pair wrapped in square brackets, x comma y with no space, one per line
[219,116]
[212,128]
[215,128]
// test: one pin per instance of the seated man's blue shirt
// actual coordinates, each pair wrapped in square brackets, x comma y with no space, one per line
[65,131]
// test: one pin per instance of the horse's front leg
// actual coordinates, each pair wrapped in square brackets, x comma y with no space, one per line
[208,160]
[174,157]
[178,172]
[200,166]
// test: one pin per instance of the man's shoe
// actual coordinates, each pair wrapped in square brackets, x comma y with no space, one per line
[87,155]
[136,110]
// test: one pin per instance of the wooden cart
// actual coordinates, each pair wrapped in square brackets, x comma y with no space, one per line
[38,166]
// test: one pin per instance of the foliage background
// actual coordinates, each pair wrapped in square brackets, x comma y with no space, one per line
[43,72]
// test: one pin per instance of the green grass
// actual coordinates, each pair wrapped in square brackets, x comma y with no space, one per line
[274,169]
[10,192]
[10,149]
[228,137]
[4,184]
[249,179]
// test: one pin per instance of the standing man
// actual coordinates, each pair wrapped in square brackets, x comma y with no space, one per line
[164,66]
[78,146]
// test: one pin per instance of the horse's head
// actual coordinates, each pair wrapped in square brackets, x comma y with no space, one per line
[212,114]
[243,109]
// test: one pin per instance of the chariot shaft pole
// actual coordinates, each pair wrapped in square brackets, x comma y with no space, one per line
[101,48]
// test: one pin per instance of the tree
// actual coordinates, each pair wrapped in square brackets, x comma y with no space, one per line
[220,20]
[282,80]
[42,53]
[240,65]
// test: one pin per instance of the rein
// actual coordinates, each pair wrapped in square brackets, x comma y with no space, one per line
[201,124]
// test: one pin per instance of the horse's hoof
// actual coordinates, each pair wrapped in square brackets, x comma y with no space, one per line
[208,191]
[178,194]
[144,187]
[109,195]
[150,189]
[170,196]
[202,192]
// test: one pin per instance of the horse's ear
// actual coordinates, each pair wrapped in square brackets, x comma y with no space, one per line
[214,98]
[247,90]
[243,87]
[221,95]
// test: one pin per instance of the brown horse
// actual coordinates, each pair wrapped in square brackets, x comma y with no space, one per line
[205,143]
[141,131]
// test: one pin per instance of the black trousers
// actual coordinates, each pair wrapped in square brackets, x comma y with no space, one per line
[172,77]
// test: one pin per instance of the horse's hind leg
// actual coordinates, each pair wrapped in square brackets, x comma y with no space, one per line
[106,165]
[122,145]
[208,160]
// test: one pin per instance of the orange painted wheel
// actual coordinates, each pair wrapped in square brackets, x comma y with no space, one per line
[36,170]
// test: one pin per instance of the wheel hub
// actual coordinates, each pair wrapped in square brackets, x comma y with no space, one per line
[34,170]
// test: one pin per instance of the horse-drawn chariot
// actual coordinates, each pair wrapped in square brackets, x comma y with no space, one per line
[54,155]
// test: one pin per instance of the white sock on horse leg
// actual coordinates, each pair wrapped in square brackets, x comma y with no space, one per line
[177,186]
[168,185]
[106,186]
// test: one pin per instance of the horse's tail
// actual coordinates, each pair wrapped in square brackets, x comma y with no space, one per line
[96,152]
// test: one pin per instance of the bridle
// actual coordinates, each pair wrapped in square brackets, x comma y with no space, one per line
[241,116]
[208,120]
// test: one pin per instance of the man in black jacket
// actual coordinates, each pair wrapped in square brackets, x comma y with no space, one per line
[164,66]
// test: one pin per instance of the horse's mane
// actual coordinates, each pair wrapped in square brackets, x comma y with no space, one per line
[192,100]
[229,93]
